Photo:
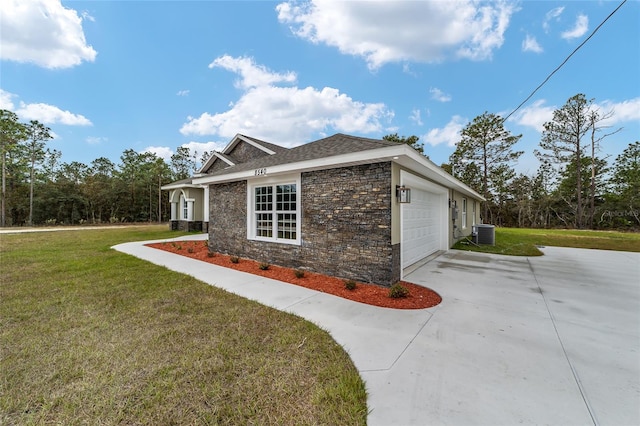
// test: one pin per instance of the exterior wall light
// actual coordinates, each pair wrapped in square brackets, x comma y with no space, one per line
[403,194]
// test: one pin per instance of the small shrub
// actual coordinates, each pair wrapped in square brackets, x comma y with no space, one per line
[263,266]
[206,243]
[299,273]
[350,284]
[234,259]
[178,247]
[398,291]
[211,254]
[190,250]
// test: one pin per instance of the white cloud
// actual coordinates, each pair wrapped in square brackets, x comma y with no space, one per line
[286,115]
[449,134]
[406,68]
[553,14]
[43,32]
[625,111]
[49,114]
[534,116]
[87,17]
[384,32]
[252,74]
[183,92]
[415,117]
[579,29]
[439,95]
[44,113]
[530,44]
[5,100]
[96,140]
[160,151]
[537,114]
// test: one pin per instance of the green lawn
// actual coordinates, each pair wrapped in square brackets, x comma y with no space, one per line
[92,336]
[524,242]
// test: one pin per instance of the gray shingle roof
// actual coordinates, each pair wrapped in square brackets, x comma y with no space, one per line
[273,147]
[338,144]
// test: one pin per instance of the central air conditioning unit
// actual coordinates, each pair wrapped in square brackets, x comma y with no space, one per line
[484,234]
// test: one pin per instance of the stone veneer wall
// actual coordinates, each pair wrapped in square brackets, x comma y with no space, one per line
[346,225]
[217,165]
[244,152]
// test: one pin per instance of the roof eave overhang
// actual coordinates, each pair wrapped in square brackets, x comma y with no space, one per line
[401,154]
[422,165]
[179,186]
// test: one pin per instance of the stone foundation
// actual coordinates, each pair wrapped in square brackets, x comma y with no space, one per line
[188,226]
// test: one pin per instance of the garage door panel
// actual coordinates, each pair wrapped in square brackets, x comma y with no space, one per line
[421,226]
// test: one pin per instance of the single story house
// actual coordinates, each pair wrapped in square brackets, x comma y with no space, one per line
[352,207]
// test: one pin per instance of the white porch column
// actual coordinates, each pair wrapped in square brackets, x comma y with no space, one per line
[174,211]
[206,204]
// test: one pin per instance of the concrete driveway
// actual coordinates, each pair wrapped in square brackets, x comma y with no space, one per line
[542,340]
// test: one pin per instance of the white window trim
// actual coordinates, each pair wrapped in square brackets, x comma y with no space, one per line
[190,204]
[473,214]
[251,223]
[464,213]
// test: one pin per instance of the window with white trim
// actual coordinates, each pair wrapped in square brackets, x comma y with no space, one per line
[464,213]
[275,213]
[473,213]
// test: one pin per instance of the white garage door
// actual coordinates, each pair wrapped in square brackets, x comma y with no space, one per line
[423,224]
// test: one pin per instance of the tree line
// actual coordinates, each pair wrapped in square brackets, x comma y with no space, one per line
[38,189]
[574,187]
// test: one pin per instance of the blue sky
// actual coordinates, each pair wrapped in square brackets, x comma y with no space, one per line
[108,76]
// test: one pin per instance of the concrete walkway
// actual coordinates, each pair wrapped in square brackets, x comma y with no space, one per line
[544,340]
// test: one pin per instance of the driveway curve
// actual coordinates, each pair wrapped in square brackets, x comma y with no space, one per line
[546,340]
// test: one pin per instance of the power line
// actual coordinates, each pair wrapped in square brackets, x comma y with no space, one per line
[564,62]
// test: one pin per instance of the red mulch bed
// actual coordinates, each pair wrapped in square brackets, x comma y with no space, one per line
[419,297]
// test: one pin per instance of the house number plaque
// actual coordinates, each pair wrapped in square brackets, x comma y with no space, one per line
[261,172]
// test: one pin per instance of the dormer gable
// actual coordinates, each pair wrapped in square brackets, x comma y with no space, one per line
[240,150]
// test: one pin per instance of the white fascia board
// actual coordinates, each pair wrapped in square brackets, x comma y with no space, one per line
[237,138]
[371,156]
[223,158]
[208,164]
[401,154]
[211,159]
[429,169]
[214,156]
[180,186]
